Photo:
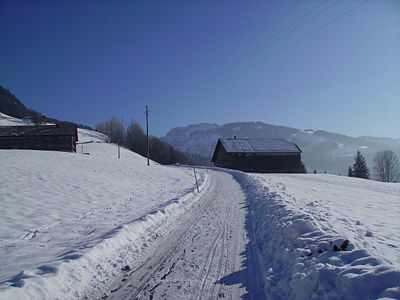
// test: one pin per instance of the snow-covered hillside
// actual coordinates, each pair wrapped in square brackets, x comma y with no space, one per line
[322,150]
[70,221]
[326,236]
[88,225]
[6,120]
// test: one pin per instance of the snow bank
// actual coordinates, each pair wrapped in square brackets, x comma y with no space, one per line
[71,221]
[325,236]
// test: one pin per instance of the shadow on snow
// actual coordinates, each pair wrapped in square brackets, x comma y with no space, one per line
[251,275]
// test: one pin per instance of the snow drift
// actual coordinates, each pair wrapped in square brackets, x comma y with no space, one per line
[325,236]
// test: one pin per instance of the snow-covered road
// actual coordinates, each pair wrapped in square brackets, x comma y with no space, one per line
[206,256]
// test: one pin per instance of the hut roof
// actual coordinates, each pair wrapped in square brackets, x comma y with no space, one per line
[259,145]
[256,146]
[42,130]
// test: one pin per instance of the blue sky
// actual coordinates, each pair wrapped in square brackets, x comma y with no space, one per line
[332,65]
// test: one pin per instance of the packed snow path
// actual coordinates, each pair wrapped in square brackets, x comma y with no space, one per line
[206,256]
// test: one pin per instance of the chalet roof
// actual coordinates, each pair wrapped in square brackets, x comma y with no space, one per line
[256,146]
[259,145]
[43,130]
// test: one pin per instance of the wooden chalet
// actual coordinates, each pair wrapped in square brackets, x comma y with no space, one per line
[257,155]
[39,137]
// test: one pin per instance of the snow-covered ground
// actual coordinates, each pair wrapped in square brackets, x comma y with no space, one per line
[88,225]
[206,255]
[70,221]
[326,236]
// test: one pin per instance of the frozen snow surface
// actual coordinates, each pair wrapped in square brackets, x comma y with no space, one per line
[70,221]
[326,236]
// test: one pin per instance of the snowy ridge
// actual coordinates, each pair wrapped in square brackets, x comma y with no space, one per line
[87,136]
[6,120]
[71,221]
[310,250]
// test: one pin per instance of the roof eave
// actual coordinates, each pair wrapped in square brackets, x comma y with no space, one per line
[215,150]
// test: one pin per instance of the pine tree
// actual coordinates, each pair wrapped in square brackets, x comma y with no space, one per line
[360,168]
[350,172]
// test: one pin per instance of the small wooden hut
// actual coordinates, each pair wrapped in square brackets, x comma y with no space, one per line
[39,137]
[257,155]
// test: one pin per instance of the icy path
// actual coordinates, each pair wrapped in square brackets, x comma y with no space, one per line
[206,256]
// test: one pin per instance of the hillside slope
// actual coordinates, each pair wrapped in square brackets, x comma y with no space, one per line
[12,106]
[71,221]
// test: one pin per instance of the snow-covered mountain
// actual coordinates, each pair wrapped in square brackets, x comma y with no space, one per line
[322,150]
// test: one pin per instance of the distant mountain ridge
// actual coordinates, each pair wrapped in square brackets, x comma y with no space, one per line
[322,150]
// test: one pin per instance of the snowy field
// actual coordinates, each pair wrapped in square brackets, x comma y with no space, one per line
[302,223]
[71,221]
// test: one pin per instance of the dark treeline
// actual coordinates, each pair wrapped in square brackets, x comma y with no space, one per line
[387,167]
[134,138]
[13,107]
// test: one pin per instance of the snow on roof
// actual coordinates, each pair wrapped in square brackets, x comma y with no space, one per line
[12,131]
[259,145]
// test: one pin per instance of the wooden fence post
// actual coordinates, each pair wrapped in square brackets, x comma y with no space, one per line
[195,178]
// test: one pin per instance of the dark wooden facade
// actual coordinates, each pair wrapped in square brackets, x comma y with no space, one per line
[257,159]
[40,137]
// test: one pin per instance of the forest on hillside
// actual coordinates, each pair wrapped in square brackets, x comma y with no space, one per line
[134,138]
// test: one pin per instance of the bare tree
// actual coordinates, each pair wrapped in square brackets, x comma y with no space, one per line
[387,166]
[114,128]
[136,138]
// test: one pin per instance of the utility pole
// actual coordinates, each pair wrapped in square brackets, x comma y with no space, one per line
[147,132]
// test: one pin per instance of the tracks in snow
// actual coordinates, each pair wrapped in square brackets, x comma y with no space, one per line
[206,256]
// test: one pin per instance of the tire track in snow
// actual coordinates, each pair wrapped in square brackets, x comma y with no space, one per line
[210,258]
[205,255]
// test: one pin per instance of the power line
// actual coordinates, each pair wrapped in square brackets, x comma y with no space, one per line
[276,20]
[273,41]
[286,12]
[318,29]
[277,38]
[325,25]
